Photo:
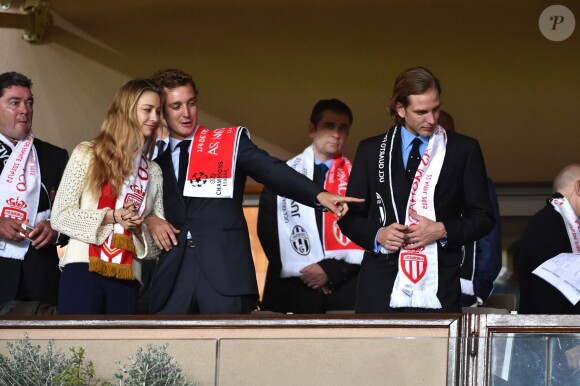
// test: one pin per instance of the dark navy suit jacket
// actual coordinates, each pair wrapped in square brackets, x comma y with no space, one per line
[218,226]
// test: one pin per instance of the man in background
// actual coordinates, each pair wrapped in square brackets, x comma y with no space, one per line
[482,258]
[317,272]
[30,172]
[553,230]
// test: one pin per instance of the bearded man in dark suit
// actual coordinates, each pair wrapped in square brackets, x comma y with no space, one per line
[426,196]
[30,172]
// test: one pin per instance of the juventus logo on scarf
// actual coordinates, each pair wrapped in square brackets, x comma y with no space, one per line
[417,280]
[297,230]
[212,162]
[20,193]
[114,257]
[563,207]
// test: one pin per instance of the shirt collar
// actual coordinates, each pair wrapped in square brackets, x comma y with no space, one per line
[173,142]
[318,162]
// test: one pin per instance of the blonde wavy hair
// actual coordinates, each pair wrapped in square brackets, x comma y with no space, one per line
[120,139]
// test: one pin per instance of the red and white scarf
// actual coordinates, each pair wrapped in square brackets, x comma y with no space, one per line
[298,237]
[20,193]
[417,280]
[114,257]
[212,162]
[563,207]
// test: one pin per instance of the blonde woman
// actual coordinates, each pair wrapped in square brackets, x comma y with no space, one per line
[107,189]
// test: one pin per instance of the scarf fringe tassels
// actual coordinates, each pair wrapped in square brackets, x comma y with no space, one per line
[105,268]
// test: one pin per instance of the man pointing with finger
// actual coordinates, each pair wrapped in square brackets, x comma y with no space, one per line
[426,196]
[208,268]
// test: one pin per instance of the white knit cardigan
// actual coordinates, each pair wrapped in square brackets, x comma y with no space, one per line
[75,211]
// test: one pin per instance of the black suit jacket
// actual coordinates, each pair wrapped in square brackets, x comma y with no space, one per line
[545,237]
[461,203]
[291,294]
[39,269]
[218,226]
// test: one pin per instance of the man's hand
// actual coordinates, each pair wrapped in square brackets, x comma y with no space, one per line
[314,276]
[42,234]
[393,236]
[336,203]
[325,290]
[424,232]
[11,229]
[162,232]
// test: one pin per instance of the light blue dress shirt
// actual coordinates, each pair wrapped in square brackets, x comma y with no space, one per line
[406,145]
[173,143]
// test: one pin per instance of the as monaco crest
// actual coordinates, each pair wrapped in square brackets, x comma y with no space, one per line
[136,196]
[14,209]
[413,265]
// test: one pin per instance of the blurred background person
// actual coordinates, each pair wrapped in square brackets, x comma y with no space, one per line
[482,258]
[322,275]
[553,230]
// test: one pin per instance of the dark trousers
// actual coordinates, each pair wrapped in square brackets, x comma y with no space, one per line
[193,293]
[147,272]
[84,292]
[292,295]
[376,280]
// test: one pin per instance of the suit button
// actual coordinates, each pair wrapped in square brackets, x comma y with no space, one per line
[189,244]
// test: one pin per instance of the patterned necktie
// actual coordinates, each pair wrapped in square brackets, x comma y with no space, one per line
[414,159]
[183,162]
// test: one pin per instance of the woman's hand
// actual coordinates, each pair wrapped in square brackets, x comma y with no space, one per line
[128,217]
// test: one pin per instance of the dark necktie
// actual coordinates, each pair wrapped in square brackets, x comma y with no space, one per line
[322,169]
[413,160]
[160,147]
[319,177]
[183,161]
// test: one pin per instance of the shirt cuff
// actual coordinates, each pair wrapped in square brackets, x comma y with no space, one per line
[379,248]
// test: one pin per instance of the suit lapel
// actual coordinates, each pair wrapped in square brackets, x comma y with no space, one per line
[401,187]
[171,195]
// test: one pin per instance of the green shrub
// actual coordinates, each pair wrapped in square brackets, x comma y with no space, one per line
[29,365]
[153,367]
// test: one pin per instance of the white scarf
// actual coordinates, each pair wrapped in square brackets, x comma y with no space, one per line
[417,280]
[562,206]
[20,193]
[298,236]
